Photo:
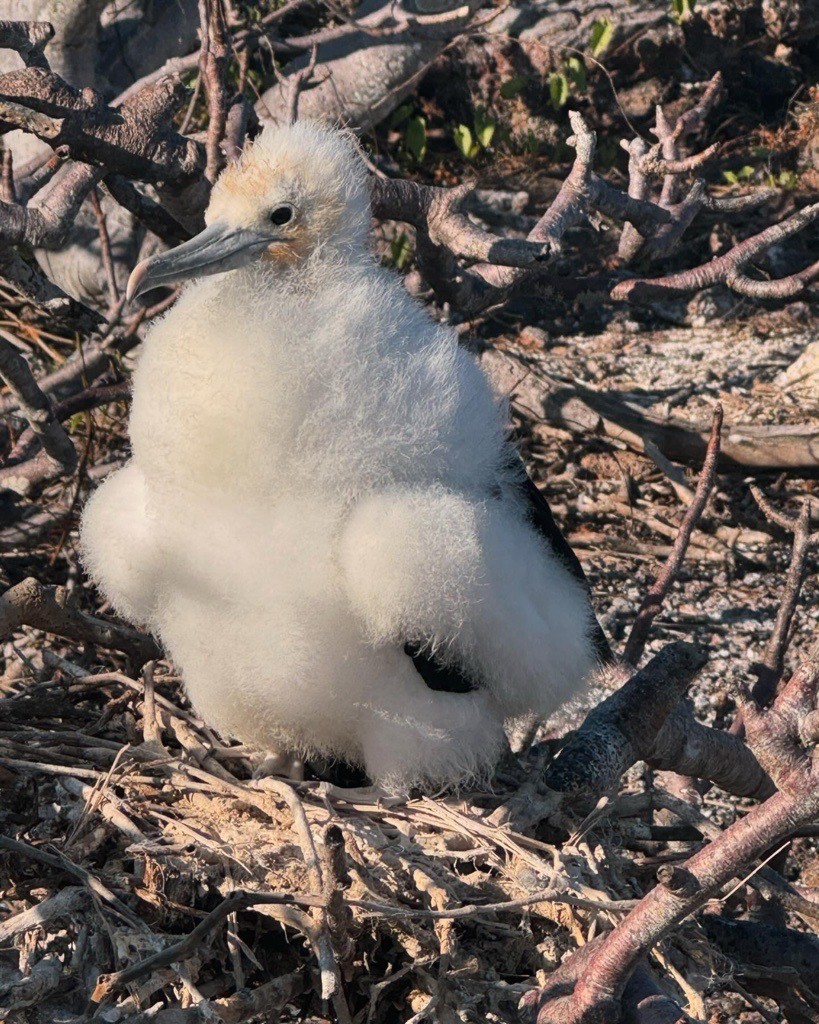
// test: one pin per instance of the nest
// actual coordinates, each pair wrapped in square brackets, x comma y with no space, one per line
[158,880]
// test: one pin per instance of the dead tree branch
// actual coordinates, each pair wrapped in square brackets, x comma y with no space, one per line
[48,608]
[775,738]
[653,601]
[730,269]
[581,410]
[213,60]
[37,409]
[29,39]
[294,85]
[769,670]
[137,139]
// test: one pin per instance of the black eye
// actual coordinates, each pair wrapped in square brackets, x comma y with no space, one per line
[281,215]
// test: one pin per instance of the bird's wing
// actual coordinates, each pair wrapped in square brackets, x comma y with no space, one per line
[451,678]
[542,519]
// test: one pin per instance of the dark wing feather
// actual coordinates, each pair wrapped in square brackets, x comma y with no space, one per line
[542,519]
[437,676]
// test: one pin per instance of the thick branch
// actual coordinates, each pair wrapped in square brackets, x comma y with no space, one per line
[728,268]
[137,139]
[776,742]
[28,38]
[48,608]
[213,60]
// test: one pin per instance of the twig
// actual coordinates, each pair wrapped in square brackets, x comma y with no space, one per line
[105,250]
[653,601]
[239,900]
[729,269]
[151,731]
[213,61]
[36,408]
[294,84]
[769,669]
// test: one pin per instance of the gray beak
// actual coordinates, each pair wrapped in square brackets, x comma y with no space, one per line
[218,248]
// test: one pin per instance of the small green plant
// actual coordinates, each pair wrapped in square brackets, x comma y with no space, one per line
[576,73]
[559,89]
[785,179]
[415,138]
[602,34]
[682,10]
[570,80]
[512,87]
[531,144]
[471,141]
[401,115]
[400,251]
[740,177]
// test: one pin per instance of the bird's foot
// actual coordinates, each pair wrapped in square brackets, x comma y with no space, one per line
[280,762]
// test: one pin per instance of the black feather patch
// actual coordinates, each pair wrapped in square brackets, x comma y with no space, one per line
[542,519]
[448,678]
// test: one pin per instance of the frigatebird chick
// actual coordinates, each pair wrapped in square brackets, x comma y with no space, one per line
[322,519]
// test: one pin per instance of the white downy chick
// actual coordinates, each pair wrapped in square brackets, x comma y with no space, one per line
[322,519]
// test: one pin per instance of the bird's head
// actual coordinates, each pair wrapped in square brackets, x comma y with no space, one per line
[296,193]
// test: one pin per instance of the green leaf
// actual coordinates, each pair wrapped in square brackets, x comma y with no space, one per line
[602,34]
[484,128]
[400,115]
[730,177]
[682,10]
[464,141]
[576,72]
[415,139]
[558,89]
[512,87]
[400,251]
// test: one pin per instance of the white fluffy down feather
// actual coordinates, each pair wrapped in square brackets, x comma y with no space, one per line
[320,474]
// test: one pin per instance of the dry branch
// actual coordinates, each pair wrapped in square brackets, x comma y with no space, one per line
[775,739]
[580,410]
[213,58]
[653,601]
[769,670]
[28,38]
[136,139]
[730,269]
[39,413]
[48,608]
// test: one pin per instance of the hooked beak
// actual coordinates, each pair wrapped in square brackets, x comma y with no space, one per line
[218,248]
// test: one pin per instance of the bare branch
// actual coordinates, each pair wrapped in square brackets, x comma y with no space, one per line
[653,601]
[606,970]
[37,409]
[295,83]
[28,38]
[213,59]
[728,268]
[105,250]
[769,669]
[48,608]
[45,223]
[137,139]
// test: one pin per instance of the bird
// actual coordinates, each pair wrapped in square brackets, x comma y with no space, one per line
[323,518]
